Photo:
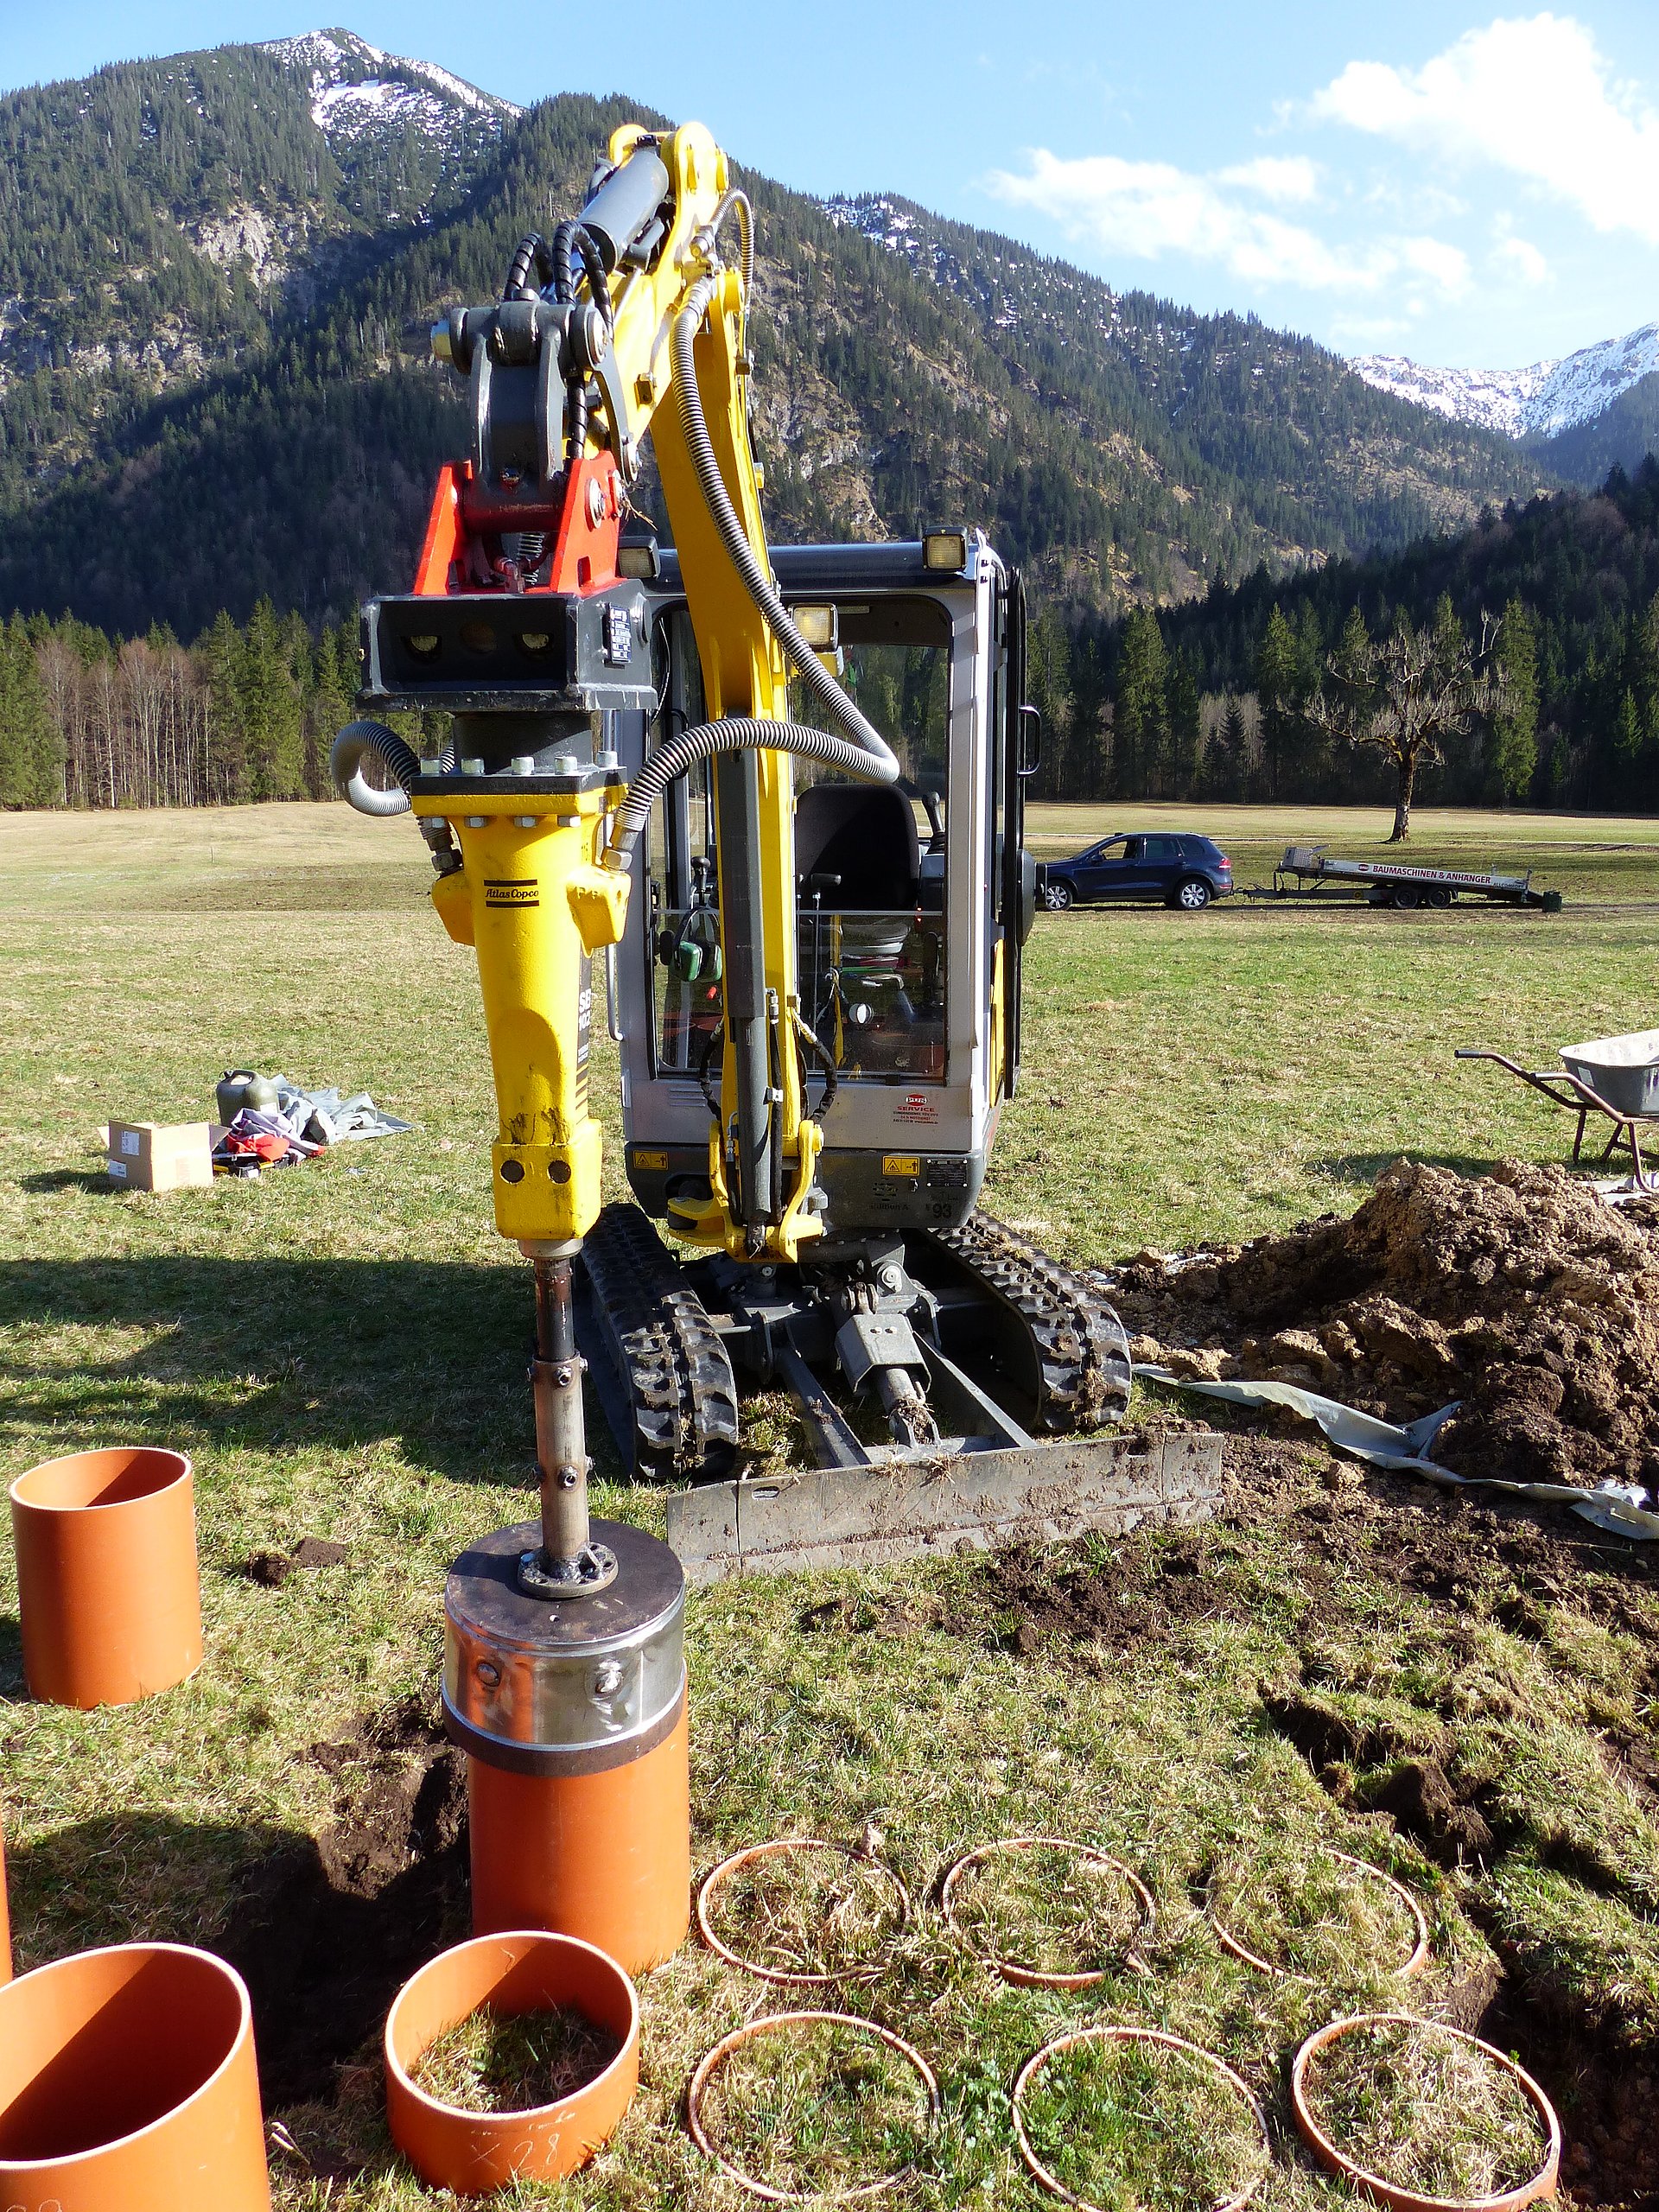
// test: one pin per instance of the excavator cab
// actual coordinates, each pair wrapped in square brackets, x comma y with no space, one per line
[913,900]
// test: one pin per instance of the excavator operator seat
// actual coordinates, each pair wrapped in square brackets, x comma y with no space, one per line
[865,836]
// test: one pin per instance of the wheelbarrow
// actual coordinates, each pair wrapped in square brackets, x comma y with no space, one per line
[1614,1076]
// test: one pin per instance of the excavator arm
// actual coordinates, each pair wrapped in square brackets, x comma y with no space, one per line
[565,378]
[629,319]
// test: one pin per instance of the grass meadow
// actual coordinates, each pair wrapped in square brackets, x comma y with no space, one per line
[341,1348]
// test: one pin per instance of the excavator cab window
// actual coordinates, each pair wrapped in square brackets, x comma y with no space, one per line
[684,932]
[869,860]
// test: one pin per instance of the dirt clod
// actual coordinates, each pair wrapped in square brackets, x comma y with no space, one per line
[1422,1802]
[272,1569]
[1518,1293]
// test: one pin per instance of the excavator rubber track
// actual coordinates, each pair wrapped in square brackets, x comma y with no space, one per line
[1078,1372]
[665,1350]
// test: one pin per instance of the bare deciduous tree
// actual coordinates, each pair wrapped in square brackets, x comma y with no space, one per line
[1409,693]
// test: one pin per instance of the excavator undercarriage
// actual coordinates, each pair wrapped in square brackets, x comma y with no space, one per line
[931,1377]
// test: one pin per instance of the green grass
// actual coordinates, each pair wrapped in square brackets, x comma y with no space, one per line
[1307,1912]
[1425,2111]
[341,1350]
[1136,2126]
[817,2107]
[513,2062]
[815,1912]
[1047,1908]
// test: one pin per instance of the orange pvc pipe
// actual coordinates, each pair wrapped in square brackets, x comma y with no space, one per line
[107,1586]
[128,2083]
[472,2152]
[606,1857]
[5,1919]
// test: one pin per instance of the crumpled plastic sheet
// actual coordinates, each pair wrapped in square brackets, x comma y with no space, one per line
[327,1118]
[1616,1507]
[254,1122]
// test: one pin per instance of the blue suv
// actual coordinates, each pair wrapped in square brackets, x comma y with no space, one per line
[1183,871]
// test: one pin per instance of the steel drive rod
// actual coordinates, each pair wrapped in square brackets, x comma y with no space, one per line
[561,1438]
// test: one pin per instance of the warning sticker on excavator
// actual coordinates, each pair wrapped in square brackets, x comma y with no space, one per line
[650,1159]
[511,891]
[901,1163]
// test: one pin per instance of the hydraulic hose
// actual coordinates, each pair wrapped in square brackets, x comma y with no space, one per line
[532,254]
[865,753]
[736,202]
[360,742]
[738,733]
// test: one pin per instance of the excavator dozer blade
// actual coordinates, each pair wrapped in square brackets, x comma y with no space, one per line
[842,1517]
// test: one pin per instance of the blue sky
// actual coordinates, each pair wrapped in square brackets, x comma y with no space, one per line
[1471,188]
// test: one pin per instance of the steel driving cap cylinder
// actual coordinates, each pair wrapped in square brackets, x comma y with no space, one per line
[624,204]
[573,1718]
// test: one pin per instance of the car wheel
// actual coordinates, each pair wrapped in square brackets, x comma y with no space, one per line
[1057,897]
[1192,894]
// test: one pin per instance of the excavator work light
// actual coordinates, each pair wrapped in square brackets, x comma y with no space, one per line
[946,549]
[817,626]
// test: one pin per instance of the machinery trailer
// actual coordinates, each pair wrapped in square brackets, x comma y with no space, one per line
[1308,871]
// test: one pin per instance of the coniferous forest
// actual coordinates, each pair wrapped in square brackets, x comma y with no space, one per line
[219,424]
[1219,697]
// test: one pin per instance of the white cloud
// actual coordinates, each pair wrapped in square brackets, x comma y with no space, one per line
[1150,208]
[1286,179]
[1515,261]
[1534,96]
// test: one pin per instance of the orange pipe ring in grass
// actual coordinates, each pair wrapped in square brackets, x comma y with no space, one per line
[1241,2088]
[1542,2183]
[1419,1950]
[1013,1970]
[781,1845]
[747,2033]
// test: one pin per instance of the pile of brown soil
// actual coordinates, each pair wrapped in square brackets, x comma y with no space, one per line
[1520,1294]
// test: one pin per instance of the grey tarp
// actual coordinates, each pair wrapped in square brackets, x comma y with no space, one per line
[1613,1506]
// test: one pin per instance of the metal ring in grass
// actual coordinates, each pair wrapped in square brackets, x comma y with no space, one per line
[1239,2087]
[798,1977]
[1419,1950]
[1014,1970]
[1542,2183]
[765,2025]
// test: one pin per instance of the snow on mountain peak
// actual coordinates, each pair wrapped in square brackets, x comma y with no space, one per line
[1533,402]
[348,96]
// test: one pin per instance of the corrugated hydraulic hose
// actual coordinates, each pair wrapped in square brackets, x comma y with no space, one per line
[864,752]
[360,741]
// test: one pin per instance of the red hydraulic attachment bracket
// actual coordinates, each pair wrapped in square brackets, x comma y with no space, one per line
[588,524]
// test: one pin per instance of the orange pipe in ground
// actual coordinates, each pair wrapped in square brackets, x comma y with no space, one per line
[5,1919]
[128,2084]
[107,1586]
[605,1856]
[471,2152]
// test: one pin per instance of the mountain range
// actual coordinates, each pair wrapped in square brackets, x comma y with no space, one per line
[216,272]
[1539,402]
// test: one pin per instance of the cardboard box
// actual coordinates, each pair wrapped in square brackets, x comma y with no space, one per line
[159,1156]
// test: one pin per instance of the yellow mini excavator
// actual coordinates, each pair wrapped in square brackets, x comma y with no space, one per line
[776,792]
